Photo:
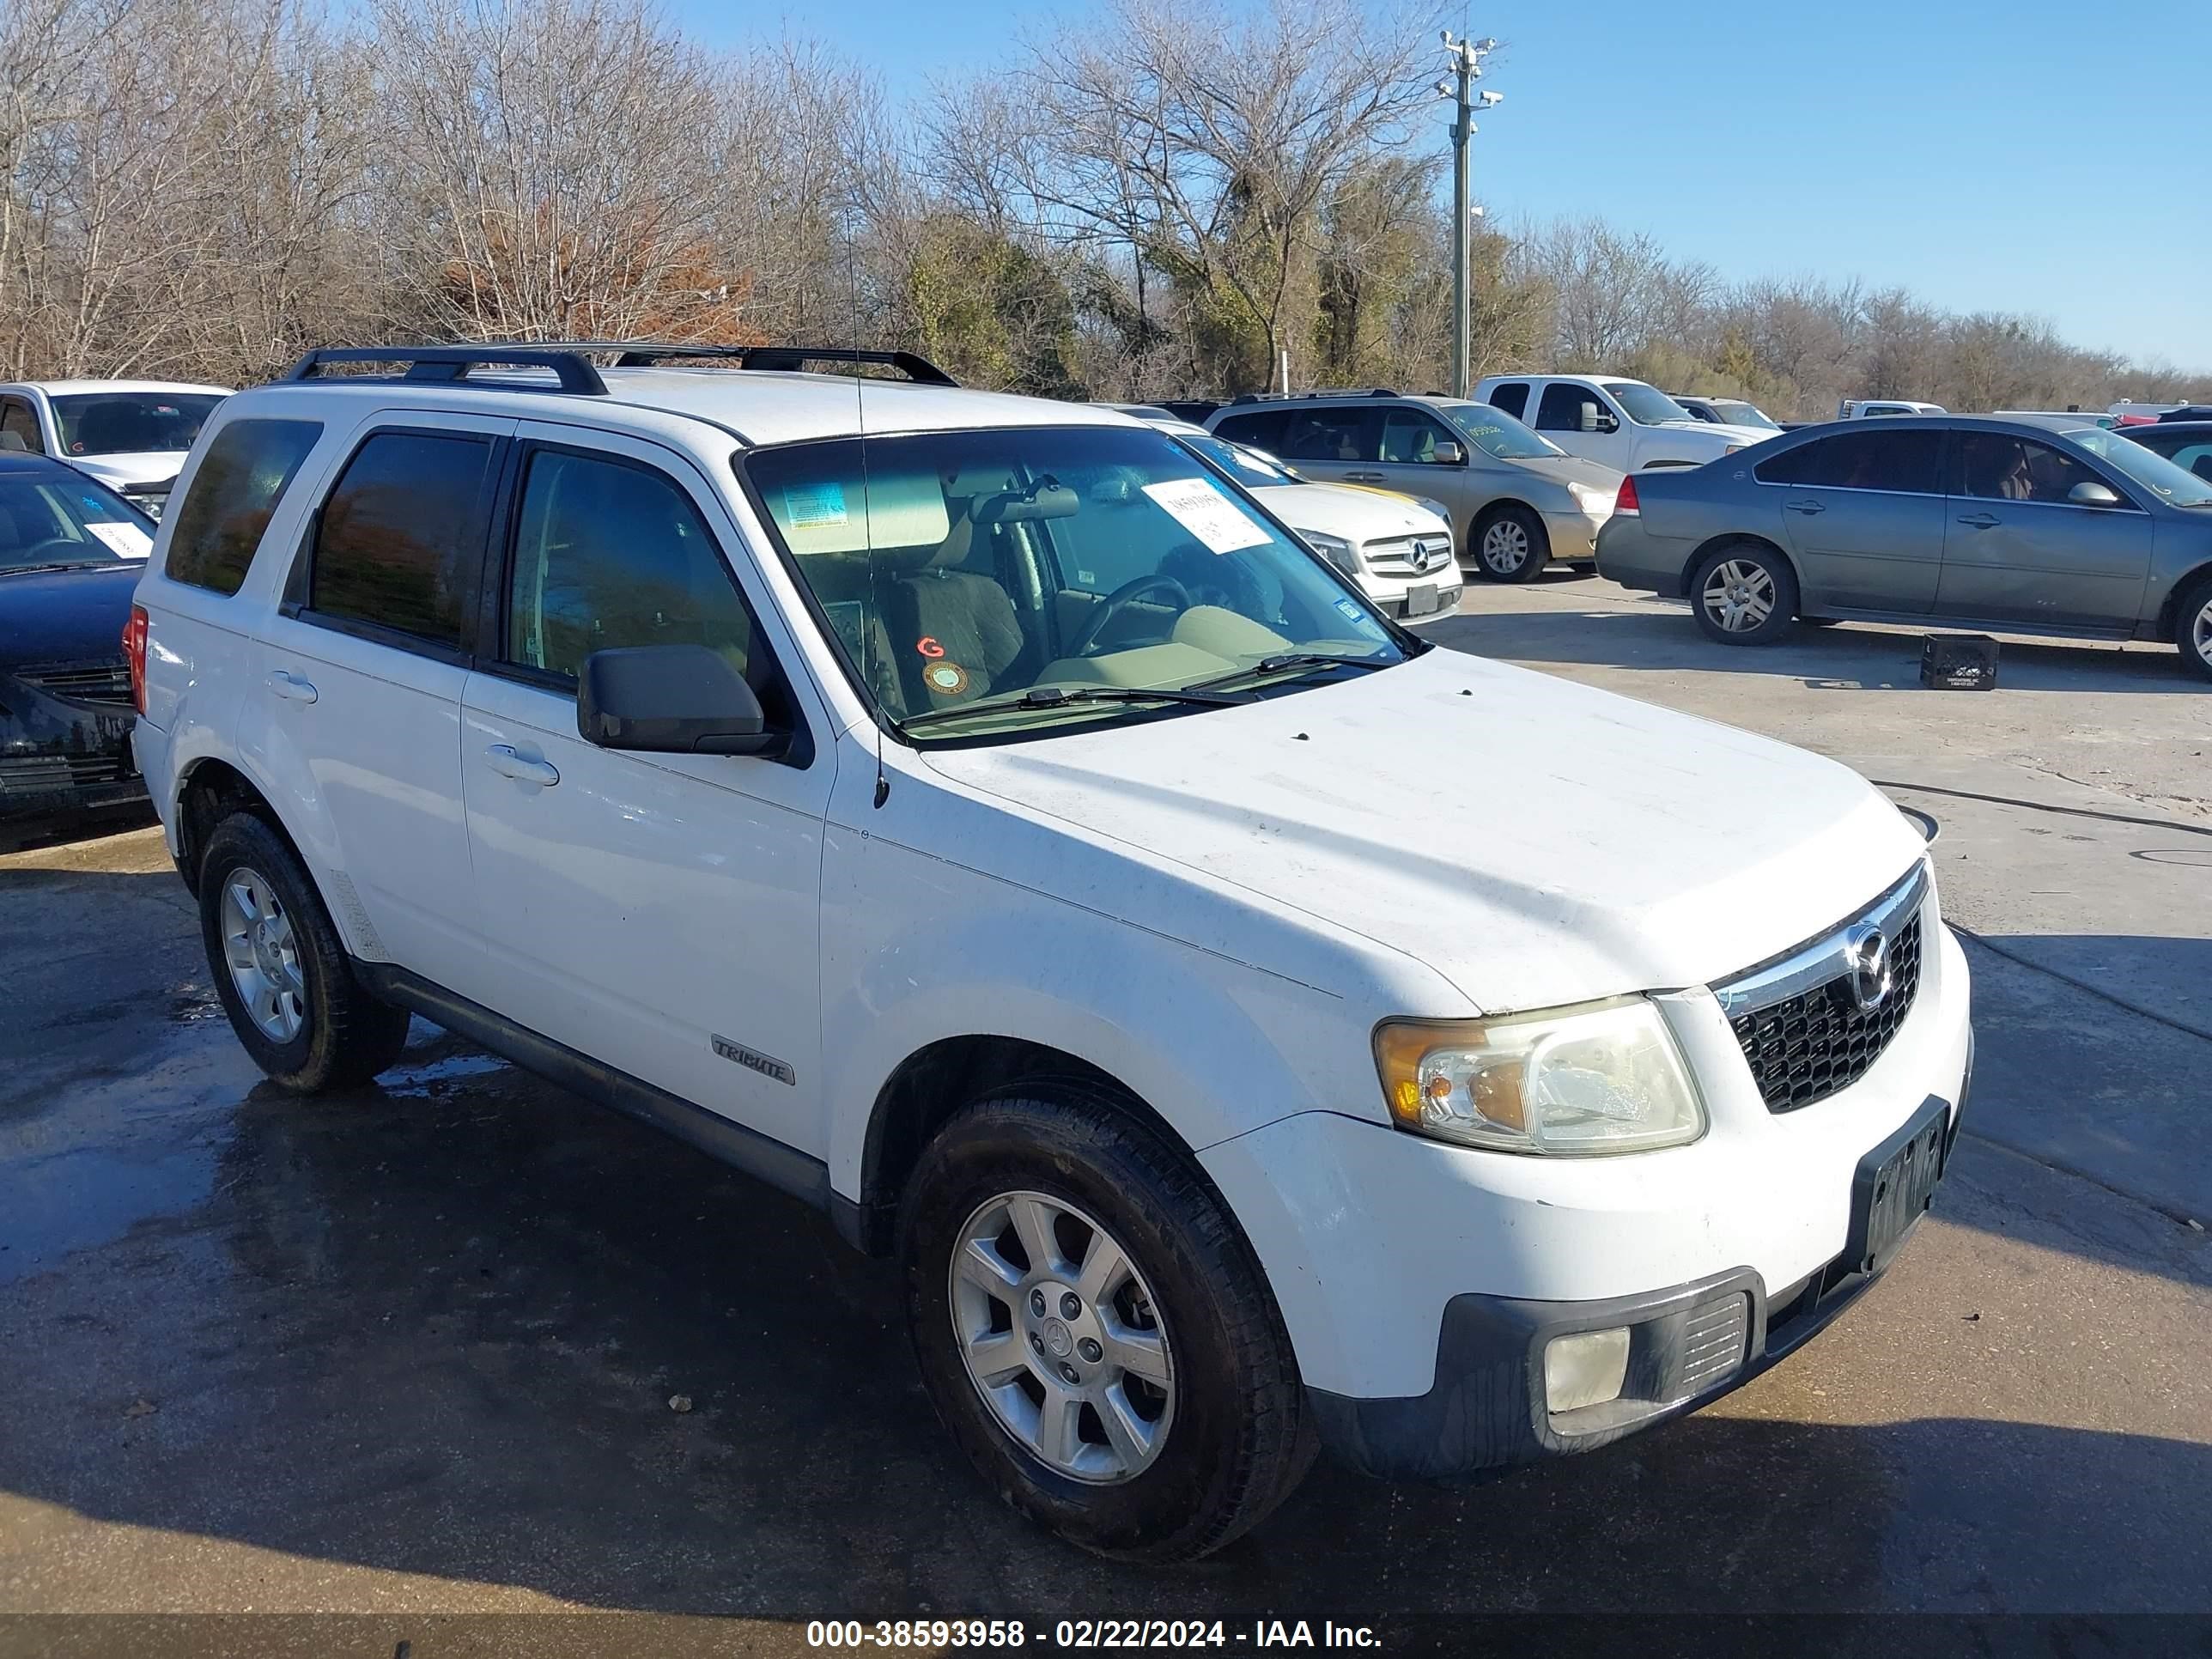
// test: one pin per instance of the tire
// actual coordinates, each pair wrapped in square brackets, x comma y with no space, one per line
[2192,627]
[1509,544]
[1226,1439]
[293,998]
[1744,594]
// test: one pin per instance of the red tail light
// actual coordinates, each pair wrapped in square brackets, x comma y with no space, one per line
[1626,501]
[134,647]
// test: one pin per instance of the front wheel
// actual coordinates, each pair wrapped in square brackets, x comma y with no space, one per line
[1094,1330]
[1511,545]
[2192,627]
[1744,594]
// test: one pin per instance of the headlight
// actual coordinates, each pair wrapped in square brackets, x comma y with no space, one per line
[1731,449]
[1436,507]
[1594,503]
[1599,1076]
[1337,551]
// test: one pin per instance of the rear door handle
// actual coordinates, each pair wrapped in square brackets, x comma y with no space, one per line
[1364,477]
[1806,508]
[1981,520]
[509,762]
[291,686]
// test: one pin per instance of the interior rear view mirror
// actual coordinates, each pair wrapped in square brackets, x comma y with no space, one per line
[2089,493]
[1449,454]
[672,700]
[1050,500]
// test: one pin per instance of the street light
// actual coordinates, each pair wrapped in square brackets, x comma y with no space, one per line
[1466,58]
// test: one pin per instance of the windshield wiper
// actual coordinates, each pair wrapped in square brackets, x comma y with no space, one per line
[1287,660]
[1051,697]
[72,564]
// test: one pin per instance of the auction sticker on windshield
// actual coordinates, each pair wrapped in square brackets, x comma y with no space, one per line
[127,540]
[1207,513]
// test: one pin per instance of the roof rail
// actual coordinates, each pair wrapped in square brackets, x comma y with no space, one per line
[569,360]
[1317,392]
[452,363]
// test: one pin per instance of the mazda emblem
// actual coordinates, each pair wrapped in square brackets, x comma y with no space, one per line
[1871,976]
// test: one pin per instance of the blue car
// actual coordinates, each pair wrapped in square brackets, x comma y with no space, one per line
[70,553]
[1966,522]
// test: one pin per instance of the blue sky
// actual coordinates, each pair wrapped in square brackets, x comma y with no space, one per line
[1975,152]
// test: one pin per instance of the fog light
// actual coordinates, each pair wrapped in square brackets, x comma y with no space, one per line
[1586,1369]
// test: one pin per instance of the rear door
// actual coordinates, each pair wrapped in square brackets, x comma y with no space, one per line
[2017,550]
[1333,443]
[1862,515]
[361,671]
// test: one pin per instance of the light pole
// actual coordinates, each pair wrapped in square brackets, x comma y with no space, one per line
[1467,57]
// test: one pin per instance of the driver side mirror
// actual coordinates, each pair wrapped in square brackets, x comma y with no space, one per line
[1598,420]
[672,700]
[2089,493]
[1448,454]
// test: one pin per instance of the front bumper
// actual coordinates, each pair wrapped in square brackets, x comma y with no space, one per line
[57,755]
[1688,1345]
[1573,536]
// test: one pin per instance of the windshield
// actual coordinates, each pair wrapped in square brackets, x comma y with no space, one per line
[1497,434]
[1734,413]
[1247,466]
[1646,406]
[2170,483]
[959,571]
[129,423]
[68,521]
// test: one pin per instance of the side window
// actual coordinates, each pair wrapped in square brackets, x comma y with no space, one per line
[1411,437]
[247,468]
[1262,430]
[1997,466]
[1561,408]
[609,555]
[2194,457]
[1328,435]
[19,420]
[1512,398]
[398,543]
[1905,462]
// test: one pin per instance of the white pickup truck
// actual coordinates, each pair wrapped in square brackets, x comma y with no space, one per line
[1625,424]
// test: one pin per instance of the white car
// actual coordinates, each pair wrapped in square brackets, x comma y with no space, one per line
[1624,424]
[132,436]
[1397,548]
[1853,408]
[1250,1026]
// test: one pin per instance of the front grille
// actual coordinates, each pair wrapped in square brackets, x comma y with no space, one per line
[1806,1049]
[81,682]
[1408,555]
[45,774]
[1713,1339]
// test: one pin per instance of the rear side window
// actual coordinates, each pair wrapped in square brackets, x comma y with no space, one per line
[242,478]
[399,538]
[1262,430]
[1512,398]
[18,421]
[1905,462]
[1330,434]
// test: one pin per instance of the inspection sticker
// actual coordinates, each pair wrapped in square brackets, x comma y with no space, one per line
[127,539]
[1207,513]
[810,507]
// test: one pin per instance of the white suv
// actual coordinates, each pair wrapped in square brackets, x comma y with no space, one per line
[999,830]
[131,436]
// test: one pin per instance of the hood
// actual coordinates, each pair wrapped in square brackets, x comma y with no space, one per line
[1534,840]
[149,466]
[1724,432]
[1356,515]
[1576,469]
[66,615]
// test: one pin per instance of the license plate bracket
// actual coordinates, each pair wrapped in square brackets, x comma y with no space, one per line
[1422,600]
[1894,1184]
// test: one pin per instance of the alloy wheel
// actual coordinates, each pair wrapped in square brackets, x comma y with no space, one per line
[263,955]
[1739,595]
[1505,547]
[1062,1338]
[2200,631]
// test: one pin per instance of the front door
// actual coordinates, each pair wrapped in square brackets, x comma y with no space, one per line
[1407,462]
[2016,549]
[660,913]
[1560,416]
[1862,513]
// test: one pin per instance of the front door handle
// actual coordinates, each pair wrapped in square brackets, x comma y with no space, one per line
[1806,508]
[1364,477]
[509,762]
[291,686]
[1981,520]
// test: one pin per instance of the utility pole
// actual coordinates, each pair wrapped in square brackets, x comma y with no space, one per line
[1467,57]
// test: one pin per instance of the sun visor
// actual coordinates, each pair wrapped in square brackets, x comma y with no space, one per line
[840,515]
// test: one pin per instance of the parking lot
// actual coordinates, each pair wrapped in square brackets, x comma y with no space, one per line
[410,1352]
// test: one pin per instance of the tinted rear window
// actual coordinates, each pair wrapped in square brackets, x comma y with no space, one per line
[242,478]
[399,536]
[1892,461]
[1512,398]
[1262,430]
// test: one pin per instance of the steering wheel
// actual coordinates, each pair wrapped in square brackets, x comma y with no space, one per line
[1120,600]
[55,549]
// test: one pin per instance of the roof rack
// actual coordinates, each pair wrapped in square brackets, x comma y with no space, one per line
[1318,391]
[569,360]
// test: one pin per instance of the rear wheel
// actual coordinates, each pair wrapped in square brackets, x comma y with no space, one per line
[280,971]
[1094,1330]
[1510,544]
[2192,627]
[1744,594]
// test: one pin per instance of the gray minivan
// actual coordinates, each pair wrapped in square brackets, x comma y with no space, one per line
[1976,522]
